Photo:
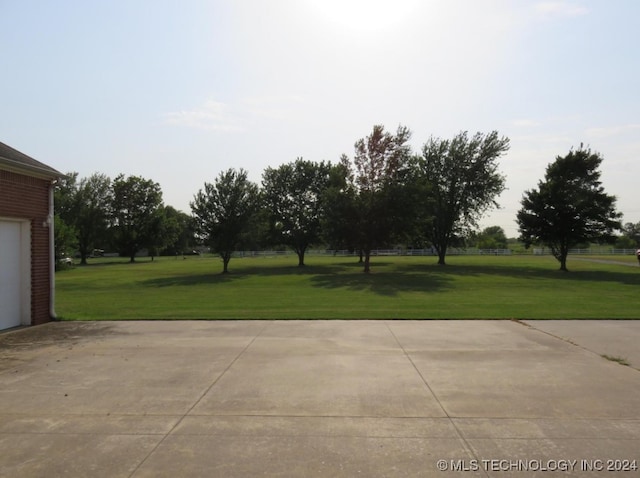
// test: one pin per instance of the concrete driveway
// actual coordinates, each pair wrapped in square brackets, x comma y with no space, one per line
[319,398]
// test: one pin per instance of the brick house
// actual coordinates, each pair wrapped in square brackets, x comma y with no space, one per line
[26,239]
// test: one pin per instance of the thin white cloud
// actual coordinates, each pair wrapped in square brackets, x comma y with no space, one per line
[212,116]
[224,117]
[561,9]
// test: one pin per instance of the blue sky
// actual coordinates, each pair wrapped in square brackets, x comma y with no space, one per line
[179,91]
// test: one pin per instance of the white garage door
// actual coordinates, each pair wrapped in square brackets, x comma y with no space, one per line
[12,278]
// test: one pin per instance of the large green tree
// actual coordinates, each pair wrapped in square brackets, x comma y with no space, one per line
[465,181]
[92,200]
[292,195]
[170,231]
[224,212]
[380,180]
[339,210]
[178,231]
[492,237]
[569,207]
[630,237]
[135,207]
[82,212]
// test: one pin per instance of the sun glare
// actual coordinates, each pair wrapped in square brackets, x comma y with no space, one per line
[365,15]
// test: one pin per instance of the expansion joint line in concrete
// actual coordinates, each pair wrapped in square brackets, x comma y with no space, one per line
[466,445]
[202,395]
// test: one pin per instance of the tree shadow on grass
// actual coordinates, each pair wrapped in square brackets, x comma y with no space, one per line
[595,275]
[386,278]
[628,277]
[389,278]
[194,279]
[241,272]
[388,284]
[431,278]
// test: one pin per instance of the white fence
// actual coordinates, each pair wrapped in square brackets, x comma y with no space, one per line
[432,252]
[593,251]
[377,252]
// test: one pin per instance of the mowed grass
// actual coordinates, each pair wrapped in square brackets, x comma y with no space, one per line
[469,287]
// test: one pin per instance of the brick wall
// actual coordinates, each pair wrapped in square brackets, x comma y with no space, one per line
[25,197]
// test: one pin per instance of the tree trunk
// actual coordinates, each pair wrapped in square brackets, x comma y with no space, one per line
[132,254]
[442,252]
[226,257]
[83,255]
[367,262]
[300,253]
[562,257]
[563,263]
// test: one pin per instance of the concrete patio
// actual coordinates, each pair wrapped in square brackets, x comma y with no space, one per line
[320,398]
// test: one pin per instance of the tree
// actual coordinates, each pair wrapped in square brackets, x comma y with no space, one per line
[625,242]
[292,193]
[64,210]
[492,237]
[82,210]
[464,179]
[258,234]
[569,207]
[339,220]
[178,232]
[630,237]
[380,184]
[167,230]
[64,240]
[91,212]
[224,212]
[135,207]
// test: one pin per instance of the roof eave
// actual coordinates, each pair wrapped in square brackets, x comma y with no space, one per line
[30,170]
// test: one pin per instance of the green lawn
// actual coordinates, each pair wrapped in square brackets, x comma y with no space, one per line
[520,287]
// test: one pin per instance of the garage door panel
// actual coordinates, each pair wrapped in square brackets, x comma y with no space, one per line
[10,274]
